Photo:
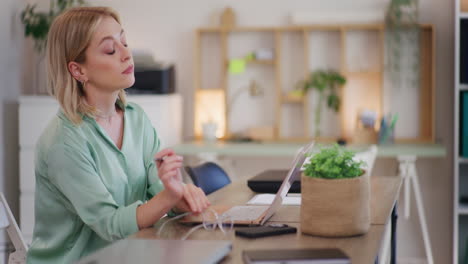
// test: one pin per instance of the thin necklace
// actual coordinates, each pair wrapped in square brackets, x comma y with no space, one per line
[108,116]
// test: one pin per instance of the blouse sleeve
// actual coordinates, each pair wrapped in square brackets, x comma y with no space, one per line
[75,175]
[151,147]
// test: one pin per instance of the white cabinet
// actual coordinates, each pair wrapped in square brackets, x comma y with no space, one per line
[35,112]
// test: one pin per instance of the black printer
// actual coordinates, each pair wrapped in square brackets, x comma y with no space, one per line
[160,80]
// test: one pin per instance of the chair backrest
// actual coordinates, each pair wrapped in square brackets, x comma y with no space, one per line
[208,176]
[7,220]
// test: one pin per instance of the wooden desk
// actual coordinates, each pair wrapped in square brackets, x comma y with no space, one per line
[361,249]
[405,154]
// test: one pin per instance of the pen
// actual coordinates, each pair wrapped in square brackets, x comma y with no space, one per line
[159,159]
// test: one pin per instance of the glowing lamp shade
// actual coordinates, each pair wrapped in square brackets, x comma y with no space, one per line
[209,108]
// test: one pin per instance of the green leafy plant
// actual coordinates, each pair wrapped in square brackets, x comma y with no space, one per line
[333,163]
[326,83]
[402,39]
[37,23]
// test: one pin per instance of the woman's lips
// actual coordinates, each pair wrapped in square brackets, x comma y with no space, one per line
[128,70]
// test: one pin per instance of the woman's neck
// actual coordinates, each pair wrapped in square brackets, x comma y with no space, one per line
[104,102]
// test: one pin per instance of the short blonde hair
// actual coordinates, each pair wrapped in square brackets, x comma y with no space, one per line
[68,38]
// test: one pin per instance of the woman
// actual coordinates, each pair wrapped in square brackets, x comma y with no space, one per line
[96,176]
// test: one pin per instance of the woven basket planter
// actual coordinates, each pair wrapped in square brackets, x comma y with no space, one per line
[335,207]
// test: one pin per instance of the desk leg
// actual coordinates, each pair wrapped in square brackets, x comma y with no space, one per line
[393,239]
[410,179]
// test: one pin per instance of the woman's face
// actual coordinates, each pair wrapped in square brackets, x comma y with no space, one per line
[109,63]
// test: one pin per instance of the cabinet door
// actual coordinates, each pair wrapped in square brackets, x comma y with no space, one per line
[27,176]
[27,214]
[35,114]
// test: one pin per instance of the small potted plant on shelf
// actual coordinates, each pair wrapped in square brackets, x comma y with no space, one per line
[326,83]
[36,25]
[335,194]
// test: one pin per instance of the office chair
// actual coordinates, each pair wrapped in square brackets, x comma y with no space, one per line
[7,221]
[208,176]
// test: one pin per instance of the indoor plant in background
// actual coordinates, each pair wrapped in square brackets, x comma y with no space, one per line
[335,194]
[37,24]
[326,83]
[402,40]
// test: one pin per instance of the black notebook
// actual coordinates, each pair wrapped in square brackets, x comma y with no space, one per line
[270,181]
[291,256]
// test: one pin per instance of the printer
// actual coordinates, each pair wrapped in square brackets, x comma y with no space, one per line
[151,77]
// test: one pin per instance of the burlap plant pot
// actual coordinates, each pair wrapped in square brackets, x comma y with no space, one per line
[335,207]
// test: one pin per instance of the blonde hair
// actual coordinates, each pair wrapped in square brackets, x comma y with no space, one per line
[68,38]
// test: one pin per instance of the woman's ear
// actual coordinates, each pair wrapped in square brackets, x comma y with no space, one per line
[76,71]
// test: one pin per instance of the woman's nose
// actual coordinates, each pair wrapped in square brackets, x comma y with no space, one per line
[126,54]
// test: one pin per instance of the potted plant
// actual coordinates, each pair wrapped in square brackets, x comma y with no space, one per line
[37,24]
[402,40]
[335,194]
[326,83]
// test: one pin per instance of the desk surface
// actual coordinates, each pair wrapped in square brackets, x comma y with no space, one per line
[361,249]
[289,149]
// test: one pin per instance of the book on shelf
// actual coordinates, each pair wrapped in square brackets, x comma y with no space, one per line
[464,125]
[296,256]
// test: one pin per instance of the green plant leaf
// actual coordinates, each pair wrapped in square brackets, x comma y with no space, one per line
[333,163]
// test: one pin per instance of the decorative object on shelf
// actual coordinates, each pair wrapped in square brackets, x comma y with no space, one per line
[402,40]
[254,90]
[365,132]
[326,83]
[228,18]
[237,65]
[209,131]
[261,133]
[387,129]
[37,24]
[335,194]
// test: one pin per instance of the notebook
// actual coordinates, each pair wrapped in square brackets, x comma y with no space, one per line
[290,256]
[258,214]
[161,251]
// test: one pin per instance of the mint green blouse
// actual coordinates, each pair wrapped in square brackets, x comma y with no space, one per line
[87,190]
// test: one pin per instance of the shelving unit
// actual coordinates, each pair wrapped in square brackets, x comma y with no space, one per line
[299,50]
[460,178]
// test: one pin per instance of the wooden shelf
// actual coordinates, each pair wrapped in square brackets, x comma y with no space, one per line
[264,62]
[463,87]
[463,209]
[291,99]
[279,40]
[365,73]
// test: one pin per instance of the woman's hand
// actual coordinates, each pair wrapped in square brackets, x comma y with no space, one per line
[194,201]
[169,165]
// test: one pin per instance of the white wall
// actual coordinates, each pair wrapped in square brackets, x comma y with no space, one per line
[11,39]
[167,29]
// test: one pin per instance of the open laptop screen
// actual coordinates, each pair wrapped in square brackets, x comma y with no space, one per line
[293,173]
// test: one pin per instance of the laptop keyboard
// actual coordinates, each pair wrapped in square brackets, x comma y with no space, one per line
[245,213]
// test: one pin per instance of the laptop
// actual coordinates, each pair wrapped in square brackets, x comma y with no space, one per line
[270,181]
[259,214]
[160,251]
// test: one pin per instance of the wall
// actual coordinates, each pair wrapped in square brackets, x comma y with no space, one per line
[11,38]
[167,28]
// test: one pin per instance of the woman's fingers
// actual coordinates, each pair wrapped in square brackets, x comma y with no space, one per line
[163,153]
[196,198]
[168,176]
[170,167]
